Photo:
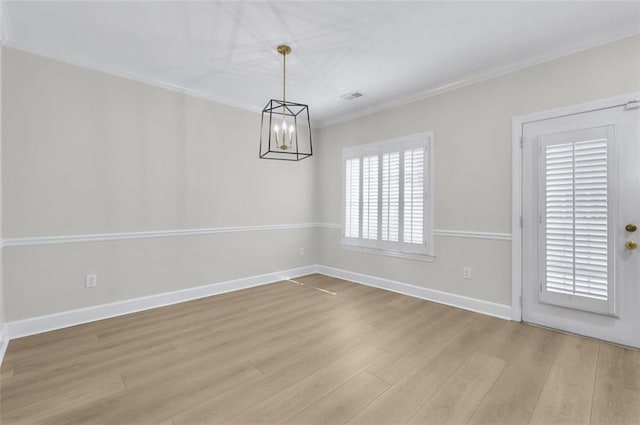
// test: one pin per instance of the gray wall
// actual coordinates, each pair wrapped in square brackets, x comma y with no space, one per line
[472,128]
[90,153]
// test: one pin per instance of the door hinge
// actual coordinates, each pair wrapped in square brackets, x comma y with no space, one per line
[521,142]
[520,300]
[521,222]
[540,286]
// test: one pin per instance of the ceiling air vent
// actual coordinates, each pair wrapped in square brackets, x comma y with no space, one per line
[353,95]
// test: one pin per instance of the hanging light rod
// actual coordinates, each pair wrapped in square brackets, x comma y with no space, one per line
[286,127]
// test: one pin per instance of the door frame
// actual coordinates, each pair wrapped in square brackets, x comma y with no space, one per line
[517,124]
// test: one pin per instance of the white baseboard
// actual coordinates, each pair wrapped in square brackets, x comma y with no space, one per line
[4,343]
[40,324]
[50,322]
[473,304]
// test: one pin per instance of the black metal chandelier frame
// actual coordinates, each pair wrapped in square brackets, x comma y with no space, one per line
[279,110]
[284,108]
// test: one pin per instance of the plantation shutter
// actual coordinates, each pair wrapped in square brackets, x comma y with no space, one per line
[413,196]
[370,197]
[385,198]
[390,196]
[352,198]
[576,219]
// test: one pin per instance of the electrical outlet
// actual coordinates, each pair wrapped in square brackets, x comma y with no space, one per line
[301,251]
[90,280]
[466,272]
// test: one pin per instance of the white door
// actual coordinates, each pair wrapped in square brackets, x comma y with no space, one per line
[581,201]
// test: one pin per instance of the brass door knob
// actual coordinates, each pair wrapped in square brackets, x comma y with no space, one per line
[631,228]
[631,244]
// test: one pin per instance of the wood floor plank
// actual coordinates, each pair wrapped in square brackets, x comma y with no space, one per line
[333,329]
[497,412]
[507,340]
[232,354]
[286,352]
[286,403]
[182,395]
[17,357]
[220,304]
[568,392]
[81,394]
[237,401]
[402,302]
[458,398]
[280,357]
[6,373]
[96,354]
[159,401]
[400,402]
[523,379]
[616,400]
[343,403]
[410,331]
[131,333]
[431,339]
[18,394]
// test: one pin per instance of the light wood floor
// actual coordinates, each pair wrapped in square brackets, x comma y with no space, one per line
[290,354]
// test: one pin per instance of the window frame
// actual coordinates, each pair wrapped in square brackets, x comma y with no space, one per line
[424,251]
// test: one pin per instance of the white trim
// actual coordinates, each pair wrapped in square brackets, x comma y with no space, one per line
[40,324]
[517,124]
[447,233]
[579,108]
[4,343]
[467,80]
[156,81]
[148,79]
[46,240]
[400,145]
[35,325]
[516,220]
[408,255]
[329,226]
[473,304]
[474,235]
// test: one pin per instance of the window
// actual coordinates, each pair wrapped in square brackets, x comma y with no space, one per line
[388,196]
[574,217]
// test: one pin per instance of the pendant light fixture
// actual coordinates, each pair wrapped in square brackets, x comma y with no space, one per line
[285,129]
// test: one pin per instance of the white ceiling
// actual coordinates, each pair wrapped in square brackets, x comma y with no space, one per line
[393,51]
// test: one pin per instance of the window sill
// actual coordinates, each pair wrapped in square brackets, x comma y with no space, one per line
[428,258]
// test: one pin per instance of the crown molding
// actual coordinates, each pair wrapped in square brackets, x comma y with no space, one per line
[156,81]
[468,80]
[148,79]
